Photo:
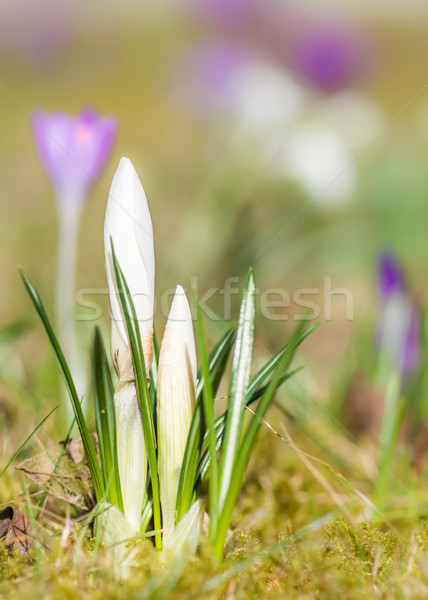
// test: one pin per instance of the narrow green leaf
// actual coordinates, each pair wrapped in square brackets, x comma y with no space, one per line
[393,414]
[154,377]
[156,348]
[217,364]
[88,446]
[241,366]
[219,427]
[146,515]
[248,443]
[207,395]
[142,389]
[269,367]
[105,420]
[217,361]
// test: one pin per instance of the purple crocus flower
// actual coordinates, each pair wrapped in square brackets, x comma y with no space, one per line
[330,56]
[36,32]
[391,280]
[398,331]
[73,150]
[211,73]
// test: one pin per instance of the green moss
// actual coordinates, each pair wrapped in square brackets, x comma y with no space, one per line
[340,559]
[12,563]
[363,549]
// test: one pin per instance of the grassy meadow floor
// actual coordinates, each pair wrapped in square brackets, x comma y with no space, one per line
[301,530]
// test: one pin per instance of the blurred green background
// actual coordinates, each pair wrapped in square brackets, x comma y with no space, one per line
[216,207]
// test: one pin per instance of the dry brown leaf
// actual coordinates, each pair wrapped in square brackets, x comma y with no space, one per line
[15,529]
[67,479]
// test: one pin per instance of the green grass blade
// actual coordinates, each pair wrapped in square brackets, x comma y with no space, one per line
[105,420]
[25,442]
[269,367]
[241,366]
[254,390]
[207,395]
[143,393]
[147,515]
[204,463]
[156,349]
[248,444]
[190,464]
[88,446]
[216,365]
[393,414]
[154,377]
[217,361]
[219,427]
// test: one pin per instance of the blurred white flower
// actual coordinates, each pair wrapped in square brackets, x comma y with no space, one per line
[320,149]
[228,79]
[267,98]
[318,158]
[297,133]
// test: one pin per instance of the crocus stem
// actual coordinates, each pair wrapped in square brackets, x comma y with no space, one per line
[69,213]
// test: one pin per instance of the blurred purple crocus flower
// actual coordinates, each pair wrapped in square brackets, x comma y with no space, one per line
[391,280]
[73,150]
[207,77]
[331,56]
[398,331]
[36,32]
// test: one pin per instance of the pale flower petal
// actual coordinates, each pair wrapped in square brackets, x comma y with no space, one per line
[175,402]
[129,226]
[187,533]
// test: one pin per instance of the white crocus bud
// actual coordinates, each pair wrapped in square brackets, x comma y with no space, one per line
[175,402]
[128,225]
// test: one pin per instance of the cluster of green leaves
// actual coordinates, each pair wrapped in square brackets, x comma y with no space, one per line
[228,447]
[219,447]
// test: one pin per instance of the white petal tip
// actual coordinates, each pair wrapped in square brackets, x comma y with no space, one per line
[180,310]
[125,171]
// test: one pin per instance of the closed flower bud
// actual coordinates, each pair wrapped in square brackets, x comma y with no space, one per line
[175,402]
[129,226]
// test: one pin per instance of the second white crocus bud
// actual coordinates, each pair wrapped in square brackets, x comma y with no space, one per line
[175,403]
[128,225]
